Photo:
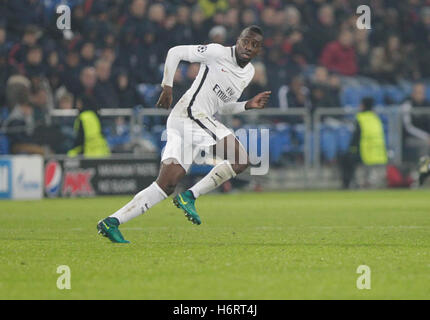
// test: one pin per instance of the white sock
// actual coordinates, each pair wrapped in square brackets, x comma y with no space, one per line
[141,202]
[217,176]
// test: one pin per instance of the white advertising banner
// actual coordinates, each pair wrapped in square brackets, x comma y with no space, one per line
[21,177]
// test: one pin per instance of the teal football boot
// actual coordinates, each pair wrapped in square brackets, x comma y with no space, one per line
[186,202]
[109,228]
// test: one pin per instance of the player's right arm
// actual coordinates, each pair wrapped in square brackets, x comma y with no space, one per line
[199,53]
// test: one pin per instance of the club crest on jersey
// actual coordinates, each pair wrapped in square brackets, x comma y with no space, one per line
[226,96]
[202,48]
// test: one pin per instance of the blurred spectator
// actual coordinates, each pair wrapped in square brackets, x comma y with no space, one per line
[5,72]
[363,49]
[41,97]
[64,100]
[33,65]
[71,74]
[423,42]
[88,54]
[339,56]
[258,83]
[89,139]
[323,30]
[17,91]
[268,21]
[182,32]
[54,70]
[218,34]
[232,24]
[126,92]
[108,54]
[20,126]
[88,81]
[296,47]
[23,13]
[367,143]
[416,126]
[387,62]
[104,90]
[324,89]
[388,21]
[20,129]
[292,19]
[2,35]
[210,7]
[199,26]
[149,60]
[296,95]
[248,17]
[18,51]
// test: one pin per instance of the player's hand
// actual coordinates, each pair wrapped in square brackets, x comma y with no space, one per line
[259,101]
[166,98]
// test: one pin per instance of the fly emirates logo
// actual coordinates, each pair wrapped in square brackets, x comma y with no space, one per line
[226,96]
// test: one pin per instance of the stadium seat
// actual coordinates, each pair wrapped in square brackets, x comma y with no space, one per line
[328,143]
[374,92]
[393,94]
[114,139]
[350,97]
[299,131]
[149,93]
[279,142]
[4,144]
[157,136]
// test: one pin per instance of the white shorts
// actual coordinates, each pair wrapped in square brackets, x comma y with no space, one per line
[187,138]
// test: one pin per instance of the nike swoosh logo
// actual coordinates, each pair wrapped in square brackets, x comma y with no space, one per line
[182,200]
[223,70]
[217,174]
[106,226]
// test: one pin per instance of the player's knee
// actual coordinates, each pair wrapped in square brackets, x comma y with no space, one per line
[168,186]
[239,168]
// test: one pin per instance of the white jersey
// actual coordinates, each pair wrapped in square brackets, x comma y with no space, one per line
[218,85]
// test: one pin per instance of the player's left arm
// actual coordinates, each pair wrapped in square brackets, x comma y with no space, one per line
[258,102]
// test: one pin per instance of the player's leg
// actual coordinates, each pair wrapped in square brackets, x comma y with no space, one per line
[235,161]
[169,175]
[172,170]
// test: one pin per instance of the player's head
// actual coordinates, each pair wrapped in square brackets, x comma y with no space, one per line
[249,43]
[367,104]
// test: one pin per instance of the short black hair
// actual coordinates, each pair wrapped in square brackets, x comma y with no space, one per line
[367,103]
[254,28]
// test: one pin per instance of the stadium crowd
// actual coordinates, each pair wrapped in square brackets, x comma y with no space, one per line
[115,49]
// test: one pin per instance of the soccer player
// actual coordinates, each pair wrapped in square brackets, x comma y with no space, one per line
[224,73]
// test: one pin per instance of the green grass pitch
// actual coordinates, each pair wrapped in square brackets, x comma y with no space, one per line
[295,245]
